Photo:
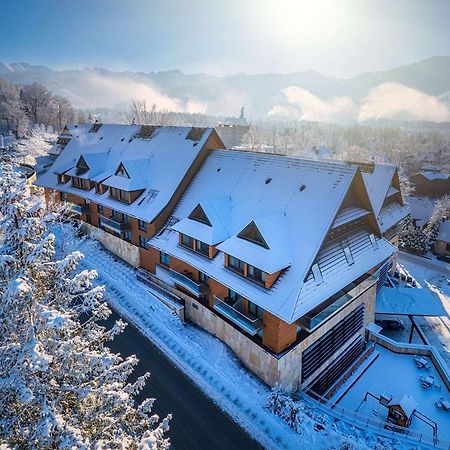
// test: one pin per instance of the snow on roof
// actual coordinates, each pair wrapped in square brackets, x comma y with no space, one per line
[265,189]
[444,232]
[391,215]
[435,175]
[377,184]
[421,209]
[168,152]
[273,230]
[218,212]
[408,301]
[406,402]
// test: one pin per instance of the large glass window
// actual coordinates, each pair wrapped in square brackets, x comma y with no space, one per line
[203,278]
[127,235]
[142,225]
[233,297]
[236,264]
[143,242]
[187,240]
[164,258]
[100,209]
[202,248]
[254,310]
[113,192]
[256,274]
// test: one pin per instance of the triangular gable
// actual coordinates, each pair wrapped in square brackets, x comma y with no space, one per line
[251,233]
[199,215]
[121,171]
[82,166]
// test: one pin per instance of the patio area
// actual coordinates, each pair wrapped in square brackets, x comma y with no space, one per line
[396,375]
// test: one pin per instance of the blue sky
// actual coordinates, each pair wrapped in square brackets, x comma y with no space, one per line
[335,37]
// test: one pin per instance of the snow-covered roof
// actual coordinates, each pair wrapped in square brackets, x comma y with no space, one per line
[156,163]
[444,231]
[421,209]
[379,184]
[217,211]
[406,402]
[435,175]
[293,203]
[408,301]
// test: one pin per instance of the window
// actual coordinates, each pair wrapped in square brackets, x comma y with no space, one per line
[121,172]
[63,196]
[124,196]
[186,240]
[143,241]
[256,274]
[252,234]
[202,248]
[127,236]
[114,192]
[236,264]
[233,297]
[142,225]
[100,209]
[203,278]
[254,310]
[164,258]
[348,255]
[199,215]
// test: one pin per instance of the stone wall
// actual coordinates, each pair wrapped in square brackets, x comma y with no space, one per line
[124,250]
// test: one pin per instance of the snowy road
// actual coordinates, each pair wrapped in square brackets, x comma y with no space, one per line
[197,422]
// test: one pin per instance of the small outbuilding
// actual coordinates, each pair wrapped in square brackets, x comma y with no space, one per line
[442,246]
[401,409]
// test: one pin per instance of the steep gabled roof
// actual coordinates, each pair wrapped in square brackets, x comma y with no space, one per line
[294,204]
[156,163]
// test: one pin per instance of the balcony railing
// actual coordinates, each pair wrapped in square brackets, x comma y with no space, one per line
[79,209]
[249,324]
[114,223]
[197,289]
[313,320]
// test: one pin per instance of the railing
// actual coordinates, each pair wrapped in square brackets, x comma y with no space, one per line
[363,422]
[79,209]
[113,223]
[311,322]
[192,286]
[249,324]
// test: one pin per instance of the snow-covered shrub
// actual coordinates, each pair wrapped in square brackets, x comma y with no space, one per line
[60,385]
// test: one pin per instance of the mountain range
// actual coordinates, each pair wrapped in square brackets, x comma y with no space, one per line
[308,94]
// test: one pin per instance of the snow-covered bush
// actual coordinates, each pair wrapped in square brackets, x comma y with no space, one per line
[413,238]
[60,385]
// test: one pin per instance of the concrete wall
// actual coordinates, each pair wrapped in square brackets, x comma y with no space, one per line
[128,252]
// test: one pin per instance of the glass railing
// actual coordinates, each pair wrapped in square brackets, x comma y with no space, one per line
[342,298]
[112,223]
[192,286]
[79,209]
[249,324]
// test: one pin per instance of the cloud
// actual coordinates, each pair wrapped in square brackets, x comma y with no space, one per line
[306,106]
[105,91]
[386,101]
[396,101]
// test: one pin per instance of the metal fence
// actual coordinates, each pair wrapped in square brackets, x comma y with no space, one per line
[373,424]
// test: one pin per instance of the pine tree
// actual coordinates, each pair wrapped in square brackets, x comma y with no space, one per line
[60,385]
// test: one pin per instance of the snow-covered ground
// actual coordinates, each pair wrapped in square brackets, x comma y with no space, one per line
[397,375]
[432,275]
[29,149]
[211,364]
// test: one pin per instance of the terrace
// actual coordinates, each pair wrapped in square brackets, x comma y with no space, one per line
[115,223]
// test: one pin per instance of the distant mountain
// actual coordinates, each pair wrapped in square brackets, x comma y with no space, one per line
[94,87]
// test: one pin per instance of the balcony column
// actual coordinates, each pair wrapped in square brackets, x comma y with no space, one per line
[277,335]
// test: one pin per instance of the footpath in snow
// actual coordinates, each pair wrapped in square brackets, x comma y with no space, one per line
[212,365]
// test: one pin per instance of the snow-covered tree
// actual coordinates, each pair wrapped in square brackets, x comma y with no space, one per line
[412,238]
[60,385]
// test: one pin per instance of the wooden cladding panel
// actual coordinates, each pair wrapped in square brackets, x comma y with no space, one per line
[278,335]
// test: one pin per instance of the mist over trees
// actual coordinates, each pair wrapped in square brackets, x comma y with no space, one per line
[22,107]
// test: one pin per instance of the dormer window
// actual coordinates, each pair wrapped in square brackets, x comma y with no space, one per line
[121,171]
[199,215]
[252,234]
[256,274]
[236,264]
[82,166]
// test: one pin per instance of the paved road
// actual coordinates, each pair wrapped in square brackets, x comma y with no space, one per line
[197,422]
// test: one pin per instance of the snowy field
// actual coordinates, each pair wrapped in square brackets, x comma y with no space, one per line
[211,364]
[397,374]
